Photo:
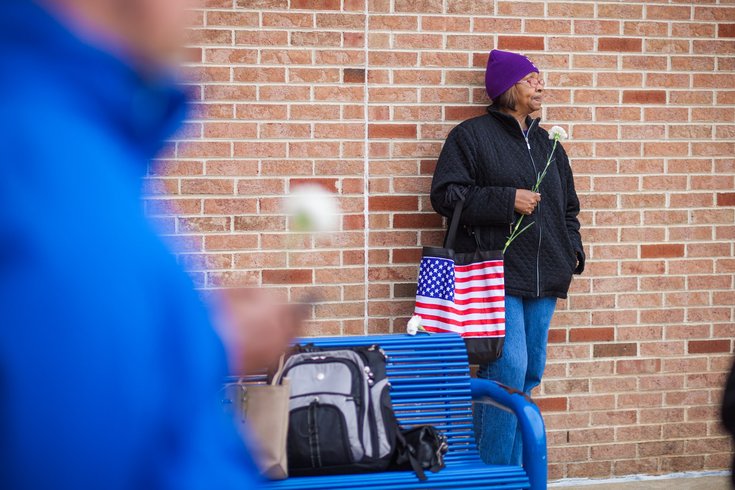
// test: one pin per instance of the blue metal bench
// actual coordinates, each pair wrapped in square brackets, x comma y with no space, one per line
[431,384]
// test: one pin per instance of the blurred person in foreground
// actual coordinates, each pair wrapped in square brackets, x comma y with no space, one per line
[109,363]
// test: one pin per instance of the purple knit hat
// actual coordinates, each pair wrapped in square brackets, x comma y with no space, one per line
[505,69]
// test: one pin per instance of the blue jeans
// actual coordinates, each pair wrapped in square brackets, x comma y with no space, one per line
[521,366]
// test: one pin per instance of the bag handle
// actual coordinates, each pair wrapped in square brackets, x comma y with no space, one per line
[279,371]
[451,236]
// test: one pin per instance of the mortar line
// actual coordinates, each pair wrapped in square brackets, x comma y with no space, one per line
[366,172]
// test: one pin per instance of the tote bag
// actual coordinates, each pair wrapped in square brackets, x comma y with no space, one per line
[264,408]
[463,293]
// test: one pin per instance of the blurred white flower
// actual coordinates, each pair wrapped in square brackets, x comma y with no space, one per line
[557,133]
[312,208]
[414,325]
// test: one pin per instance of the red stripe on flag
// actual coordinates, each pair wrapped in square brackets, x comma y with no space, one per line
[495,333]
[479,265]
[478,289]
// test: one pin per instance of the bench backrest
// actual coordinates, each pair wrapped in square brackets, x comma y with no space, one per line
[430,382]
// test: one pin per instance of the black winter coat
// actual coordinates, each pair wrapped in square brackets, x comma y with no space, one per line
[484,160]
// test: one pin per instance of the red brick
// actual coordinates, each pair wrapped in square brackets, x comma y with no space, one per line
[707,346]
[326,183]
[482,7]
[448,24]
[230,206]
[256,4]
[431,77]
[520,8]
[340,21]
[422,220]
[669,12]
[289,276]
[315,4]
[548,26]
[591,334]
[353,75]
[418,41]
[644,97]
[460,113]
[407,256]
[615,350]
[236,19]
[662,251]
[283,19]
[521,43]
[620,11]
[726,30]
[209,36]
[192,55]
[313,149]
[670,46]
[283,93]
[421,6]
[259,223]
[392,131]
[638,366]
[726,199]
[556,404]
[316,38]
[619,44]
[393,203]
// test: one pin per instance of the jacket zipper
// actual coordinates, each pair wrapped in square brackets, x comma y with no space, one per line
[538,210]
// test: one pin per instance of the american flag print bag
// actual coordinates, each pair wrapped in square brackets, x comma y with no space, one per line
[463,293]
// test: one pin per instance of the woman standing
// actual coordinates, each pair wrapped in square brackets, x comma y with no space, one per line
[491,162]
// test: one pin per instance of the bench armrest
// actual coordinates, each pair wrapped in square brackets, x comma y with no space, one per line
[530,421]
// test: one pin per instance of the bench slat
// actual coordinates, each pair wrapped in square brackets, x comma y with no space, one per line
[467,475]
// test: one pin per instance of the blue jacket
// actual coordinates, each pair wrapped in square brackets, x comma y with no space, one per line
[109,366]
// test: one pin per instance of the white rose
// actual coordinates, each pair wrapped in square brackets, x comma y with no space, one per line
[312,209]
[557,133]
[414,325]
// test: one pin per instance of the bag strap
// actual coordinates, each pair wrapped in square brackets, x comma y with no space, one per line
[405,447]
[279,372]
[451,236]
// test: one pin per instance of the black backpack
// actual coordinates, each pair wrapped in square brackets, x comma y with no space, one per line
[341,418]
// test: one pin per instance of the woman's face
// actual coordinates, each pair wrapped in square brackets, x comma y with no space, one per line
[529,93]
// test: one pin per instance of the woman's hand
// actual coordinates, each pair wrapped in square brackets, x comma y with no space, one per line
[526,201]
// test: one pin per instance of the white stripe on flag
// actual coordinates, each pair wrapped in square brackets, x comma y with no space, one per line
[494,302]
[480,296]
[479,283]
[487,268]
[458,317]
[492,330]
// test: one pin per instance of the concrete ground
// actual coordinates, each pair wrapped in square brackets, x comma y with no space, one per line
[681,483]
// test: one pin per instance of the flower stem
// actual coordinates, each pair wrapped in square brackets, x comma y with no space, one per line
[539,178]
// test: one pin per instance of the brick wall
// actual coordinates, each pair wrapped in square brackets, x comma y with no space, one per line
[358,96]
